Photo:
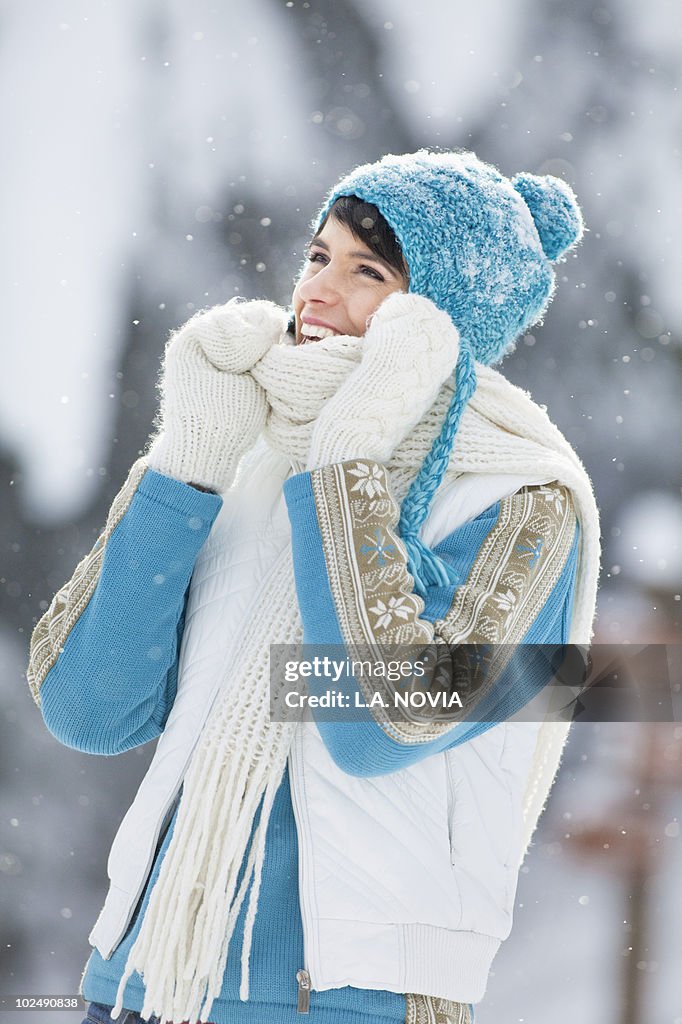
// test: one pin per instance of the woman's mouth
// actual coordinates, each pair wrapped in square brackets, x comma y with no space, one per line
[313,332]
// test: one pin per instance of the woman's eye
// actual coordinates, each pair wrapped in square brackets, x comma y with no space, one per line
[371,272]
[316,257]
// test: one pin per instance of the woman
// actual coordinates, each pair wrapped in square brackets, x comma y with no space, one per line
[392,489]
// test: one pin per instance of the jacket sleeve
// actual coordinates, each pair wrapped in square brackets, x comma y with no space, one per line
[515,569]
[103,658]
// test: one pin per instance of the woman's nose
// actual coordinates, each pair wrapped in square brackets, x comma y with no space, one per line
[322,286]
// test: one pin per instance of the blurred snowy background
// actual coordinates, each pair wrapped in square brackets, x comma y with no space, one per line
[160,156]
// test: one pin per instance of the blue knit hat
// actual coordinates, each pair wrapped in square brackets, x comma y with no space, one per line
[480,246]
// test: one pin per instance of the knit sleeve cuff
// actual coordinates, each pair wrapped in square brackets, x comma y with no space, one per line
[179,497]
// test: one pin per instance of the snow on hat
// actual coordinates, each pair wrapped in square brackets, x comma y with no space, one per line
[477,244]
[480,246]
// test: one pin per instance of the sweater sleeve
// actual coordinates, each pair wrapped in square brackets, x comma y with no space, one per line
[103,658]
[515,568]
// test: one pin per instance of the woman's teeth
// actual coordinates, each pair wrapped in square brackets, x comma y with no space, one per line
[313,332]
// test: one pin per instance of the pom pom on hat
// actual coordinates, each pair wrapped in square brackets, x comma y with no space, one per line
[554,209]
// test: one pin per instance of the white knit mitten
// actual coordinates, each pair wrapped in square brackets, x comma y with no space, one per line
[212,409]
[410,349]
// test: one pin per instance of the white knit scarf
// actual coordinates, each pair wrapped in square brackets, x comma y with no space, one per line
[239,760]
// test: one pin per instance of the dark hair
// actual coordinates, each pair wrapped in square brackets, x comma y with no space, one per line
[371,228]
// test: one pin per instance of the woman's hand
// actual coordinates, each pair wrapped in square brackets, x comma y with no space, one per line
[212,410]
[411,348]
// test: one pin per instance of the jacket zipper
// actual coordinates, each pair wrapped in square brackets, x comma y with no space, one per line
[303,979]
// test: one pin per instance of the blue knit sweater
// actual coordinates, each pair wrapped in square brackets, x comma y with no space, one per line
[114,682]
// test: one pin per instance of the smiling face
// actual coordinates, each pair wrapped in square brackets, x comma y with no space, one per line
[343,283]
